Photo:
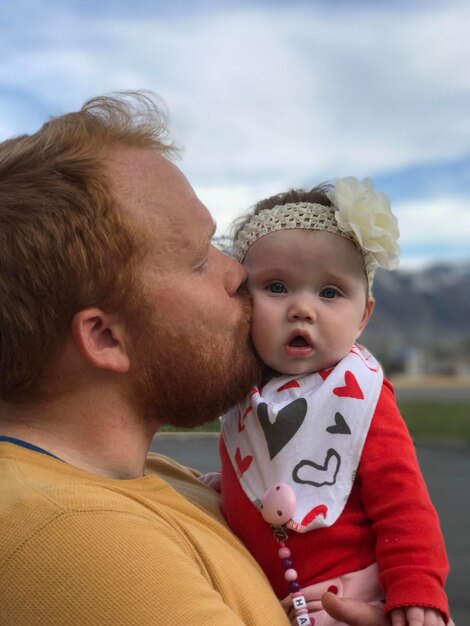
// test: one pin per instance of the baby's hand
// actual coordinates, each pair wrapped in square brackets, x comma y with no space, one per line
[213,479]
[416,616]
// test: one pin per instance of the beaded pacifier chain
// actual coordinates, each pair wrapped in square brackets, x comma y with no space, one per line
[278,506]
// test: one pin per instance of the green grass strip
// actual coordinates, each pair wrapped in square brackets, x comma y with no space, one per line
[437,420]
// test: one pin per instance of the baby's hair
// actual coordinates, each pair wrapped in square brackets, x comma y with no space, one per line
[316,195]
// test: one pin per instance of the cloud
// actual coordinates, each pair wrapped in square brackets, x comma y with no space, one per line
[321,96]
[262,99]
[436,228]
[312,91]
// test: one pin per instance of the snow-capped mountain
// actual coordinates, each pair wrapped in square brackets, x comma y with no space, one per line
[423,303]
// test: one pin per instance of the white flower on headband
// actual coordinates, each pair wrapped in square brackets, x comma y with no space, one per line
[366,214]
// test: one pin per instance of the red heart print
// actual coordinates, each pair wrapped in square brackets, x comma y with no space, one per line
[292,384]
[321,509]
[325,373]
[242,463]
[242,418]
[351,388]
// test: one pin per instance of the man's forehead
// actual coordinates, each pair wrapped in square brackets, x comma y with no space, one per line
[155,191]
[145,179]
[149,184]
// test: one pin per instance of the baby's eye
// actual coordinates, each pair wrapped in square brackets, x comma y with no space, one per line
[328,292]
[276,287]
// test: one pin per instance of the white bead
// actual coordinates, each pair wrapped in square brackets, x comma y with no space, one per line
[299,602]
[302,620]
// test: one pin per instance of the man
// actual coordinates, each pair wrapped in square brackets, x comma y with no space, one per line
[117,315]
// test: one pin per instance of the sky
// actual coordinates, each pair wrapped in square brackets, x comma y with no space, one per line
[264,96]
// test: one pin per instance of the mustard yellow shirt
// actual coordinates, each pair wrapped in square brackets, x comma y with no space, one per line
[80,549]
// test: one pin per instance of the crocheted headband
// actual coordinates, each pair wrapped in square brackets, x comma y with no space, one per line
[357,213]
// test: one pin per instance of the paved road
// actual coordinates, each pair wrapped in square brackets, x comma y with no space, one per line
[447,473]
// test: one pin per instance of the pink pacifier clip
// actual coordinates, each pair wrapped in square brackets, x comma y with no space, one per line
[278,506]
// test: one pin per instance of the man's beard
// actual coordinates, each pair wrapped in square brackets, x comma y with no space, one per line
[187,378]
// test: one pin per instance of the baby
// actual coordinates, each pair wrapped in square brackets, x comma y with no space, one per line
[319,475]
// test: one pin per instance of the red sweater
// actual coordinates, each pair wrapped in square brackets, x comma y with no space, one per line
[388,518]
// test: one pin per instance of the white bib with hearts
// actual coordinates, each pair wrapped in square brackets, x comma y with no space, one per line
[307,432]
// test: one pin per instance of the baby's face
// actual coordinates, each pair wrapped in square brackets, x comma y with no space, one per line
[310,301]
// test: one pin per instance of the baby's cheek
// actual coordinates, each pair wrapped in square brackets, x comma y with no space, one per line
[263,331]
[263,315]
[257,331]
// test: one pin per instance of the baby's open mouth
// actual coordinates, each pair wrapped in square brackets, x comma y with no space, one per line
[299,342]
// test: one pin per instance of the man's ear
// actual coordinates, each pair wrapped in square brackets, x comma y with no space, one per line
[100,338]
[367,313]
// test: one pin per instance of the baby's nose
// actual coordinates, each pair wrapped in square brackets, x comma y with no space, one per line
[302,310]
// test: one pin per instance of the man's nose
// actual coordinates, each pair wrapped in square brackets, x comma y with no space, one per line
[234,274]
[302,309]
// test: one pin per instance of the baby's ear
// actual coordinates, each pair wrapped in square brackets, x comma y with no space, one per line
[367,314]
[100,338]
